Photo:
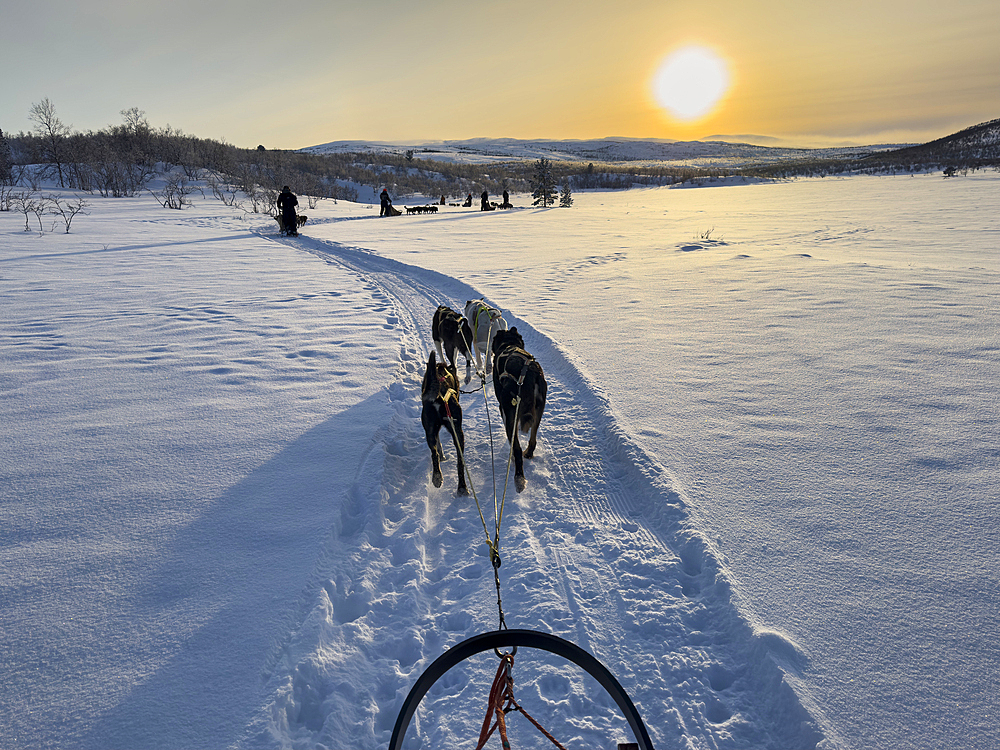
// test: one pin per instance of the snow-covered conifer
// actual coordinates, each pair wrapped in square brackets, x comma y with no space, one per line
[543,184]
[566,196]
[5,160]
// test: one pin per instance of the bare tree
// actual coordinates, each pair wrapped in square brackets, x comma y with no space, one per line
[69,209]
[51,129]
[24,202]
[137,136]
[40,207]
[175,192]
[135,120]
[221,189]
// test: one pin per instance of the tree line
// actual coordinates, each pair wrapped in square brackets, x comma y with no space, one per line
[122,160]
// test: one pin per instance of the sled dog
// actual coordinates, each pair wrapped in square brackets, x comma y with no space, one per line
[439,395]
[299,220]
[452,335]
[485,321]
[520,386]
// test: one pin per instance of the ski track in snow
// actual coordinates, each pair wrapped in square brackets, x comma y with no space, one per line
[599,550]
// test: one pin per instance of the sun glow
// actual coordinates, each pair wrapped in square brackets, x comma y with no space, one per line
[690,82]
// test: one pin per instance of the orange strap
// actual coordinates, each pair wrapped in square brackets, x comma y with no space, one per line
[501,696]
[501,703]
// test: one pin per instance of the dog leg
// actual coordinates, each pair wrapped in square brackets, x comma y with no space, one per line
[537,408]
[467,346]
[434,443]
[449,351]
[515,444]
[519,480]
[487,354]
[479,356]
[436,476]
[458,435]
[530,452]
[436,455]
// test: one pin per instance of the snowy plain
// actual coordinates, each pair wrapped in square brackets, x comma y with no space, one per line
[764,496]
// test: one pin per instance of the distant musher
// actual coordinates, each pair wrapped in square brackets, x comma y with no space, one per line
[386,203]
[286,204]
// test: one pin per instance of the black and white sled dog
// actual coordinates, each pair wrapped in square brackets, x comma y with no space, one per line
[439,396]
[520,386]
[452,334]
[485,322]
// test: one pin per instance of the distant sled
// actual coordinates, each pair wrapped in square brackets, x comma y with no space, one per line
[300,220]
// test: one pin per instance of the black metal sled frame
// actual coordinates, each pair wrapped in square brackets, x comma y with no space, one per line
[514,638]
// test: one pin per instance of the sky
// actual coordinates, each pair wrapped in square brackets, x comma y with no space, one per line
[255,73]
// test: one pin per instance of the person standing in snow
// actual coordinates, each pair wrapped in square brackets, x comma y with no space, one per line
[386,203]
[484,201]
[286,204]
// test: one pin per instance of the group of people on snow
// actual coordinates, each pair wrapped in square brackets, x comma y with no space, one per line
[287,203]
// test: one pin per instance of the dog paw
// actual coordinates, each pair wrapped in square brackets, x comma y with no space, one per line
[463,490]
[437,479]
[520,483]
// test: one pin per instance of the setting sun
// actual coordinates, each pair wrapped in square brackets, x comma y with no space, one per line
[690,82]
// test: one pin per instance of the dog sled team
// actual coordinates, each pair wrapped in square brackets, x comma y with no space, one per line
[518,383]
[288,220]
[485,204]
[387,209]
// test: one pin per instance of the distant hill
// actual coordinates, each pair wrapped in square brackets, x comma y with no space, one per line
[358,170]
[975,146]
[639,152]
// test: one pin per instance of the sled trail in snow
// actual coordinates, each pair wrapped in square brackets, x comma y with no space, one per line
[598,549]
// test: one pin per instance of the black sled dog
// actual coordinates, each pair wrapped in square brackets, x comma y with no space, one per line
[520,386]
[451,334]
[439,395]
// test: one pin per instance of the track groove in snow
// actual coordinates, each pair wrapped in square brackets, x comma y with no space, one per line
[598,549]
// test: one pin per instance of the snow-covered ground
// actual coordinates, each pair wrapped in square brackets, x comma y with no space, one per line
[764,494]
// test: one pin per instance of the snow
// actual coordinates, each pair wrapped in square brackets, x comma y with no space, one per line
[764,494]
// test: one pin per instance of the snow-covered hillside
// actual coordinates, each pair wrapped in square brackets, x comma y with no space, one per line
[712,154]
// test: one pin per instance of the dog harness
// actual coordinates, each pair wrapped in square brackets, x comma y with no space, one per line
[447,394]
[480,309]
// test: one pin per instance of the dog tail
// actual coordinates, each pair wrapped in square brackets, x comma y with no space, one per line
[426,387]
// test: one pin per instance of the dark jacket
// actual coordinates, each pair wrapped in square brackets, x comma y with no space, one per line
[287,202]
